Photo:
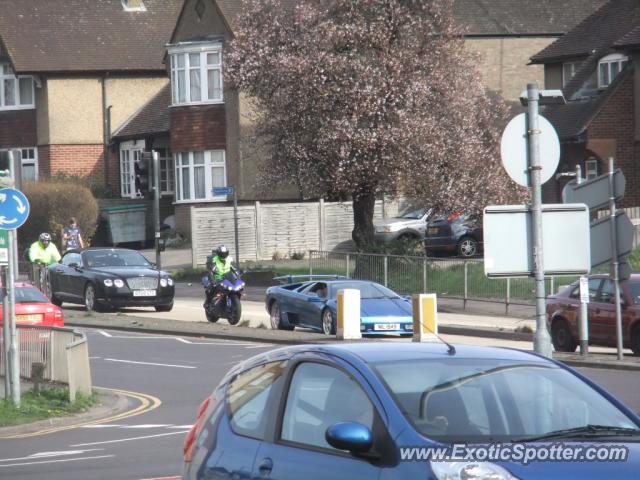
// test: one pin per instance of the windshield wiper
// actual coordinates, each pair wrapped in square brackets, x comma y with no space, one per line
[591,431]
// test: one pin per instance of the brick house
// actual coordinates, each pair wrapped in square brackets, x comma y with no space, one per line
[594,64]
[205,125]
[71,73]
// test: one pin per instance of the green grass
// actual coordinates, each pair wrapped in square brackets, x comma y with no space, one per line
[50,402]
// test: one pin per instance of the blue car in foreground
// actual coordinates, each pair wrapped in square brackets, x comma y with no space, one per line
[391,411]
[313,304]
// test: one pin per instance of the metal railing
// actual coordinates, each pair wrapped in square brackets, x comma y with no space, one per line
[63,351]
[447,277]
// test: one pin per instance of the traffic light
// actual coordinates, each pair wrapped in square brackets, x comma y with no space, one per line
[144,173]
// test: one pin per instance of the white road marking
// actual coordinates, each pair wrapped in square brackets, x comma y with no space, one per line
[150,425]
[148,363]
[182,427]
[50,454]
[183,340]
[129,439]
[106,334]
[56,461]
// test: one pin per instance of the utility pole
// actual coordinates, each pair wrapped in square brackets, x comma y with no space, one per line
[542,339]
[156,205]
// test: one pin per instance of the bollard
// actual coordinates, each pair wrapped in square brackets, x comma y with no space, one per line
[425,317]
[348,327]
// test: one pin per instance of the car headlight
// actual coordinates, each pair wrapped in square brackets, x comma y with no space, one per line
[391,228]
[163,282]
[470,471]
[170,281]
[108,282]
[118,283]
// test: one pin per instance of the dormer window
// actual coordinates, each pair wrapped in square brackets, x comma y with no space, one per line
[133,6]
[609,67]
[569,69]
[16,92]
[196,73]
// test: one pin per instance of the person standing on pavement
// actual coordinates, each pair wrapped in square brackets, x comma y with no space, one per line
[72,235]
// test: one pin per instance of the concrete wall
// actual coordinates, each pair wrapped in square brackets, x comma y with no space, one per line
[128,95]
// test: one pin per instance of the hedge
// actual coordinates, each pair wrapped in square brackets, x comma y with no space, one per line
[52,203]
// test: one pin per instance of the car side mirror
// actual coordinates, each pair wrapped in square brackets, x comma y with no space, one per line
[74,265]
[350,436]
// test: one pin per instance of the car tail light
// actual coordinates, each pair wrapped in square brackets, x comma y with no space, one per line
[192,436]
[453,215]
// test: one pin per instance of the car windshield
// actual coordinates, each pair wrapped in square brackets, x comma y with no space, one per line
[30,295]
[493,400]
[413,213]
[114,258]
[367,290]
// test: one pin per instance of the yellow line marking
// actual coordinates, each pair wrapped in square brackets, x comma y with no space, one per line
[147,403]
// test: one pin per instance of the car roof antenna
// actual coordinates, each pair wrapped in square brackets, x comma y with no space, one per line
[451,349]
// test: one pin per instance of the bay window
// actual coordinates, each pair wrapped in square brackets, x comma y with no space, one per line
[197,173]
[196,74]
[16,92]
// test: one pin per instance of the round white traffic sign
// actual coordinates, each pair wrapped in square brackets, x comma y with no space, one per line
[515,154]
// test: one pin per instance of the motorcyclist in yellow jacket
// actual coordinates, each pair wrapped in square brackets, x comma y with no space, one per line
[218,266]
[43,251]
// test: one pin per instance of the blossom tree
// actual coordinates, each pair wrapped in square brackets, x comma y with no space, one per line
[360,98]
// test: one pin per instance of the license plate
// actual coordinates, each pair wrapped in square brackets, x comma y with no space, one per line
[144,293]
[386,326]
[34,317]
[432,231]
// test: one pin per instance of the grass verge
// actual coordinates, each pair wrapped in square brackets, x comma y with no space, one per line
[48,403]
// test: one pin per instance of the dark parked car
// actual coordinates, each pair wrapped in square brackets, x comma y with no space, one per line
[110,278]
[563,314]
[345,411]
[456,233]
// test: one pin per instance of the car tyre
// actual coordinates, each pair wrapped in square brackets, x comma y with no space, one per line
[90,302]
[328,322]
[561,337]
[468,247]
[236,308]
[277,322]
[164,308]
[635,340]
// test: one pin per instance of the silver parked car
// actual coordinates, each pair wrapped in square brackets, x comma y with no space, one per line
[410,224]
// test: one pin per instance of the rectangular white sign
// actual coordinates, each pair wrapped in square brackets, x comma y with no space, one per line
[508,245]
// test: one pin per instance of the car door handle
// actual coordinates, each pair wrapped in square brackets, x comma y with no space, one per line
[265,467]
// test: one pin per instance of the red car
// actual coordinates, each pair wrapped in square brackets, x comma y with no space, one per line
[563,314]
[34,308]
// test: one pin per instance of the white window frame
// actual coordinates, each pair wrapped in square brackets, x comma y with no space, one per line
[573,68]
[129,152]
[591,168]
[167,170]
[611,61]
[183,73]
[16,78]
[188,166]
[25,161]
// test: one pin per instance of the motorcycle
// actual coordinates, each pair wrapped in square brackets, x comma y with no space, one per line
[225,297]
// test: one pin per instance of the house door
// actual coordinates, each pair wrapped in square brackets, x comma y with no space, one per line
[129,153]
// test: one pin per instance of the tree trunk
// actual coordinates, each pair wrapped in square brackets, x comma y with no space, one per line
[363,206]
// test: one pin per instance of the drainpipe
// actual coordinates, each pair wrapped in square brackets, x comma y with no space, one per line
[106,129]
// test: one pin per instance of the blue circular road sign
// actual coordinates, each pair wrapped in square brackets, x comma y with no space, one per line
[14,209]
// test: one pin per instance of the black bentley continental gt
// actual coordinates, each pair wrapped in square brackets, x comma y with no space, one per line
[108,278]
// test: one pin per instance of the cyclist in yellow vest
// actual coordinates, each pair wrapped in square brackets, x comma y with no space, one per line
[43,251]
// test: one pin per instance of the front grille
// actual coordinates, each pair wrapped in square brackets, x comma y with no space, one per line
[142,283]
